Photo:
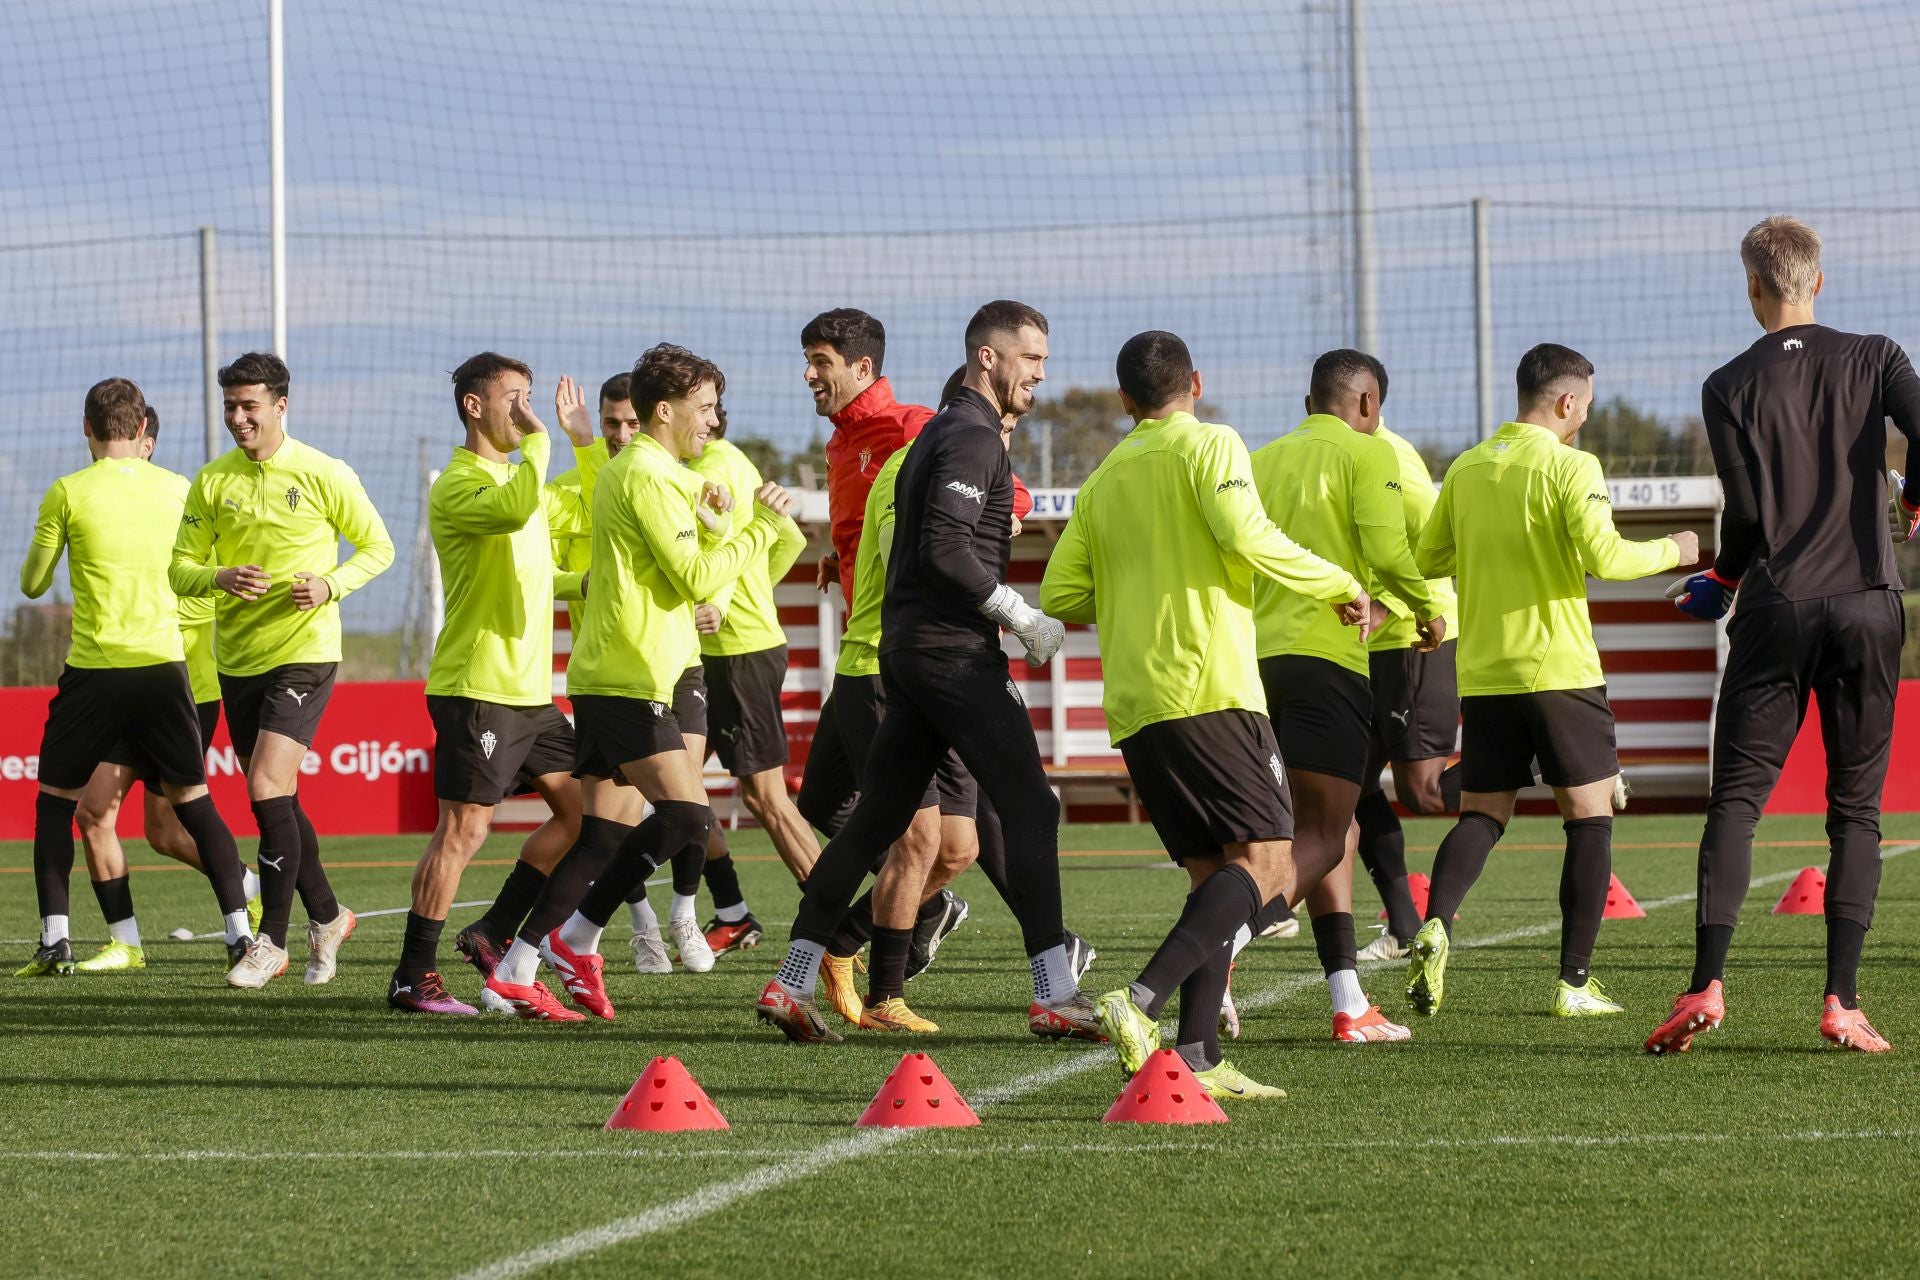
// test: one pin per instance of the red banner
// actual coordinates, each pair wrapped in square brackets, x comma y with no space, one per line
[1803,783]
[369,772]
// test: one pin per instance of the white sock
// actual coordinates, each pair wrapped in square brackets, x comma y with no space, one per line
[520,965]
[52,929]
[799,973]
[643,917]
[1052,976]
[731,915]
[683,908]
[127,931]
[1343,985]
[582,934]
[1241,938]
[236,925]
[249,882]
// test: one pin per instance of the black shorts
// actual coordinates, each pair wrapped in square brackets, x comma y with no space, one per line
[1569,731]
[609,731]
[837,761]
[93,708]
[690,702]
[287,700]
[1321,714]
[484,752]
[1416,703]
[1210,780]
[743,689]
[124,752]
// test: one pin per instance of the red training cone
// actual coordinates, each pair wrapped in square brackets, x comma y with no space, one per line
[917,1095]
[1164,1091]
[1806,896]
[1417,888]
[1620,903]
[665,1099]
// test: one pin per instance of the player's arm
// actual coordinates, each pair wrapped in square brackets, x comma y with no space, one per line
[1900,398]
[1740,531]
[498,508]
[788,543]
[961,475]
[1223,484]
[1066,590]
[1380,517]
[698,571]
[1435,554]
[192,571]
[49,541]
[354,518]
[1586,512]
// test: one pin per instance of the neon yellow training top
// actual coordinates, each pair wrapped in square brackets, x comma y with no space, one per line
[116,520]
[287,515]
[196,636]
[493,525]
[650,564]
[860,644]
[1336,492]
[1161,551]
[752,622]
[1417,496]
[1522,520]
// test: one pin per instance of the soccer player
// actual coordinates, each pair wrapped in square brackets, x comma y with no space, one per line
[947,685]
[745,664]
[262,528]
[1797,424]
[1161,551]
[1522,519]
[650,567]
[490,687]
[1416,714]
[125,674]
[1335,487]
[99,810]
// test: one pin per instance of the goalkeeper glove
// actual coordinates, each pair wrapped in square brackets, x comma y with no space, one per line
[1905,517]
[1706,596]
[1041,635]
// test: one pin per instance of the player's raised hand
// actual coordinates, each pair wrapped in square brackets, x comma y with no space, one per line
[310,591]
[1689,544]
[244,581]
[773,497]
[571,411]
[522,415]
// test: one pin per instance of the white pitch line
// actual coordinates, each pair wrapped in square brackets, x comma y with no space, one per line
[365,915]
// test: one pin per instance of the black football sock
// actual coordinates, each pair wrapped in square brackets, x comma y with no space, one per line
[1383,851]
[115,897]
[219,855]
[674,827]
[419,950]
[1710,945]
[1198,1037]
[584,864]
[856,928]
[1462,857]
[53,853]
[1450,788]
[510,906]
[316,891]
[887,965]
[1585,874]
[1214,912]
[1270,915]
[1333,942]
[279,859]
[723,883]
[688,863]
[1845,941]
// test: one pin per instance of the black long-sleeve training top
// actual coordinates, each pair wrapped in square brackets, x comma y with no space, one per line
[1798,428]
[952,532]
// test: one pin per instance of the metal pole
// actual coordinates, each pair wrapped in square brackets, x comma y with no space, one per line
[209,344]
[1366,322]
[277,165]
[1046,455]
[1483,316]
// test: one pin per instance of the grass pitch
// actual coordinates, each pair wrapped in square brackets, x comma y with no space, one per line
[158,1124]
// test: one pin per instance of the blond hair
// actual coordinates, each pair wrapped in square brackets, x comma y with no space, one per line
[1785,253]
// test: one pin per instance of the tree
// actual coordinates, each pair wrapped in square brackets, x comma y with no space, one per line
[1632,442]
[1078,428]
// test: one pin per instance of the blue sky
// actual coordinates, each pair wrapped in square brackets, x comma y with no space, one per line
[571,182]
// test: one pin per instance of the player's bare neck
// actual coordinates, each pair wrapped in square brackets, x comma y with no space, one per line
[1775,316]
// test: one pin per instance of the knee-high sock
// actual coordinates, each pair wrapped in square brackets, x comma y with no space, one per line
[1462,857]
[53,853]
[1224,901]
[583,865]
[219,855]
[279,857]
[518,893]
[1383,851]
[316,891]
[673,827]
[1200,997]
[1584,875]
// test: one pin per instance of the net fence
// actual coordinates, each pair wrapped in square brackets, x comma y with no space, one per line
[572,181]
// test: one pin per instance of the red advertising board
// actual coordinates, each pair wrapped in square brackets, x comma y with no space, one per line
[370,772]
[1803,783]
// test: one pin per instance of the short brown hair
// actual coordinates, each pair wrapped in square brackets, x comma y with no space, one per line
[617,388]
[115,410]
[851,332]
[669,372]
[1001,316]
[1785,253]
[476,374]
[258,369]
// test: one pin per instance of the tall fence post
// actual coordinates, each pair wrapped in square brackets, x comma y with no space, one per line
[210,344]
[1483,318]
[1366,320]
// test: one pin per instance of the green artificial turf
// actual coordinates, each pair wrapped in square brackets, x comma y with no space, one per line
[159,1124]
